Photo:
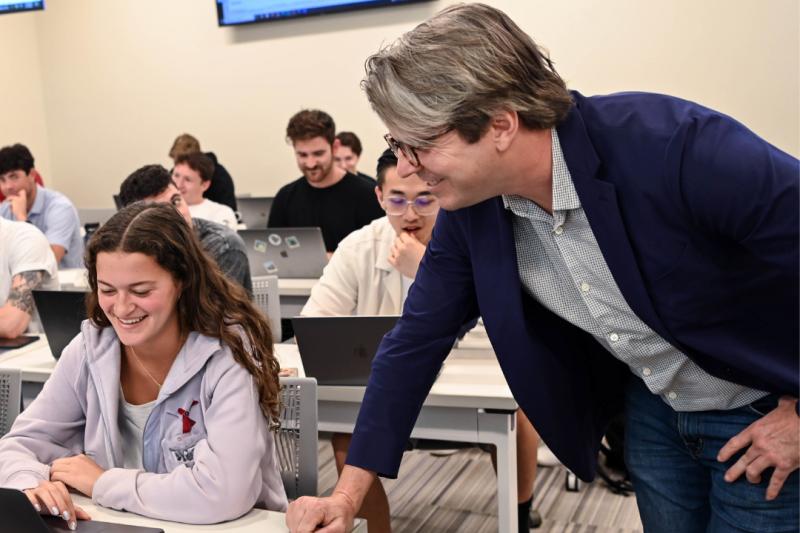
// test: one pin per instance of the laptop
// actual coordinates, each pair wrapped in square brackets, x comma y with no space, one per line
[285,252]
[338,350]
[61,314]
[253,211]
[19,516]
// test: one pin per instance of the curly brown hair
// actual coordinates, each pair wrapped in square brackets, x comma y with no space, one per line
[209,303]
[311,123]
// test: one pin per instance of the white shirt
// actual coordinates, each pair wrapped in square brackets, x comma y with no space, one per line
[132,419]
[219,213]
[359,280]
[23,248]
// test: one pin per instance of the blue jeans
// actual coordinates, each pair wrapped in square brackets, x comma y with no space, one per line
[679,484]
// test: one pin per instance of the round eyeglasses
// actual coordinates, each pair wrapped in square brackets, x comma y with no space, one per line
[398,147]
[397,205]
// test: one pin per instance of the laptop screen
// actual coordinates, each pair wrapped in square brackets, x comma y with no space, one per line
[338,350]
[61,313]
[285,252]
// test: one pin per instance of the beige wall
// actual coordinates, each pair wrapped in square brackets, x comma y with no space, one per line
[121,78]
[22,116]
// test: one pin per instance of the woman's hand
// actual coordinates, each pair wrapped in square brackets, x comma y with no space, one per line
[78,472]
[52,497]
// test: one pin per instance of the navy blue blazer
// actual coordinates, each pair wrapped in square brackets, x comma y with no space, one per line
[697,219]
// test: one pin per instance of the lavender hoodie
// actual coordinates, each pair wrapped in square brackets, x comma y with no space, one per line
[220,469]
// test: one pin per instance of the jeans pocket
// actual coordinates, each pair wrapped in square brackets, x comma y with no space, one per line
[764,405]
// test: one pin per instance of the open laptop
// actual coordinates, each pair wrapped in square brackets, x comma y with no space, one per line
[253,211]
[338,350]
[61,314]
[19,516]
[285,252]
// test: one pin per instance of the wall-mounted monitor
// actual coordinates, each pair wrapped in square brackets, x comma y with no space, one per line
[7,6]
[235,12]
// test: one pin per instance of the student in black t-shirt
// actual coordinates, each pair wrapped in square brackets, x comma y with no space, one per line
[326,195]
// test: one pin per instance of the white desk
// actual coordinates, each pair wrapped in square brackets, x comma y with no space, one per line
[256,521]
[469,402]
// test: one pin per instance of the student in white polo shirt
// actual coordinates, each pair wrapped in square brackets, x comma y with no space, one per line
[26,263]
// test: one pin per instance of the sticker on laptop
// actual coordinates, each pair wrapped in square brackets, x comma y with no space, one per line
[260,246]
[292,241]
[274,239]
[284,254]
[271,267]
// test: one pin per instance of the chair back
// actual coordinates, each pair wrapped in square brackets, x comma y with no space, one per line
[10,397]
[296,440]
[266,298]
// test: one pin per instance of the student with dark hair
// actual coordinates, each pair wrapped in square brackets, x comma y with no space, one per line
[146,409]
[326,195]
[221,189]
[48,210]
[193,175]
[348,153]
[154,183]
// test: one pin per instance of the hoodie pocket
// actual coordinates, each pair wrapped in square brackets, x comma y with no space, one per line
[179,449]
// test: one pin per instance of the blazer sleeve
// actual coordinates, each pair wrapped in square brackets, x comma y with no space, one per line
[225,481]
[736,185]
[50,428]
[439,302]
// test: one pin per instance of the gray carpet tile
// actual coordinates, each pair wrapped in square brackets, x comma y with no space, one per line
[456,493]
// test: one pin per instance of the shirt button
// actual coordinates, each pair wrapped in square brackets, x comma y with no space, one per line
[646,371]
[585,287]
[672,395]
[613,337]
[559,230]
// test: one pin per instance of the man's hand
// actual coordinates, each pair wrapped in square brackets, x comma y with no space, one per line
[332,515]
[774,441]
[53,498]
[406,254]
[19,205]
[78,472]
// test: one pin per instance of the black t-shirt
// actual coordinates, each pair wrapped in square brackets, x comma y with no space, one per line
[221,189]
[339,210]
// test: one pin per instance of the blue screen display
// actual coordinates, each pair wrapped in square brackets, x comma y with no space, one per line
[233,12]
[7,6]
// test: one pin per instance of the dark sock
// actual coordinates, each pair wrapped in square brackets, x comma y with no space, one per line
[523,509]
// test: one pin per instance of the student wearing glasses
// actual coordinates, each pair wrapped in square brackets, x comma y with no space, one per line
[370,274]
[163,404]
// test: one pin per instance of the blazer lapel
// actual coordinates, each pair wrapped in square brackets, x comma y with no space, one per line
[599,201]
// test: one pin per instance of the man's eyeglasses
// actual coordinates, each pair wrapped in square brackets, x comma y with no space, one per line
[397,148]
[397,205]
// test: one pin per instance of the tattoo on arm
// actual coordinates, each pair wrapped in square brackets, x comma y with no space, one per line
[20,295]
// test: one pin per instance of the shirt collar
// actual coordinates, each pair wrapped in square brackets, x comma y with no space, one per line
[38,203]
[565,197]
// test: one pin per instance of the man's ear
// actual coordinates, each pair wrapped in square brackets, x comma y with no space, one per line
[336,145]
[503,127]
[379,194]
[205,185]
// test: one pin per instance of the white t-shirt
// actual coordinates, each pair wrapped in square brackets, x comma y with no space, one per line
[219,213]
[132,420]
[24,248]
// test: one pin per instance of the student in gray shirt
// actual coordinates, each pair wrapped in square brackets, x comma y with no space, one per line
[154,183]
[48,210]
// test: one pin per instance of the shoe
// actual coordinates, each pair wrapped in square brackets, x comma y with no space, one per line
[544,457]
[534,519]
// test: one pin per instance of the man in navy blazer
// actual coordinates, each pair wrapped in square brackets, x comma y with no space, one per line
[631,251]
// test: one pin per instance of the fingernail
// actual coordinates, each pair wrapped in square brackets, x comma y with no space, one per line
[54,510]
[65,515]
[37,507]
[72,526]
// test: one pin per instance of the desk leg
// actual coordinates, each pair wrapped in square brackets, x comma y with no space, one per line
[499,428]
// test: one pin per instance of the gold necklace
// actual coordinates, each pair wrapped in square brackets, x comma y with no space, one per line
[136,357]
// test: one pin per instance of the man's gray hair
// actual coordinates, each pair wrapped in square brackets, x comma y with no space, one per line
[453,71]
